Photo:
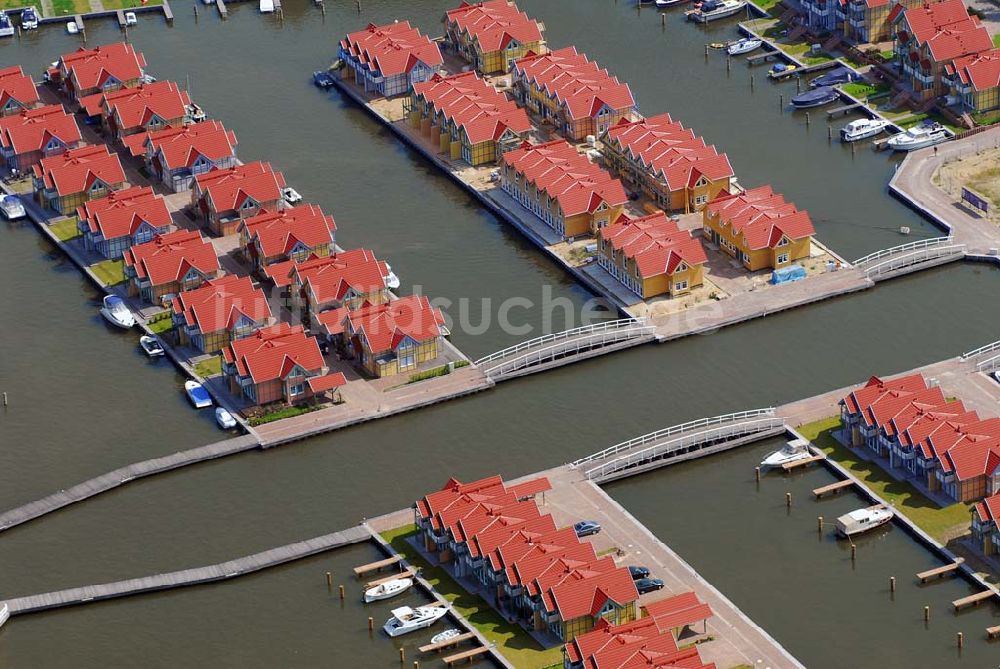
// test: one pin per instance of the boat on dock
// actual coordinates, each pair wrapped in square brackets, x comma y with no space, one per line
[29,18]
[863,128]
[862,520]
[12,207]
[713,10]
[116,312]
[793,451]
[745,45]
[406,619]
[388,589]
[151,346]
[780,70]
[197,394]
[919,137]
[816,97]
[6,27]
[836,77]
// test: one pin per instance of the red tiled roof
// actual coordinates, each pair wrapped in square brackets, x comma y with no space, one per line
[959,40]
[385,326]
[279,233]
[972,457]
[530,571]
[524,545]
[988,510]
[655,242]
[578,185]
[218,304]
[76,170]
[494,24]
[392,49]
[946,29]
[168,258]
[678,611]
[586,592]
[92,68]
[230,188]
[671,151]
[981,70]
[320,384]
[272,353]
[483,112]
[575,82]
[859,400]
[122,212]
[135,107]
[456,492]
[181,147]
[14,83]
[333,277]
[485,541]
[762,216]
[888,405]
[33,129]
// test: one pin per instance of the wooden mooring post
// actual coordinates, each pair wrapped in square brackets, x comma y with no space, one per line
[329,581]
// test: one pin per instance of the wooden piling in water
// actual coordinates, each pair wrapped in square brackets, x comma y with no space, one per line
[329,581]
[819,524]
[341,591]
[756,470]
[927,614]
[892,584]
[402,655]
[854,552]
[807,119]
[371,623]
[960,638]
[751,82]
[829,133]
[788,499]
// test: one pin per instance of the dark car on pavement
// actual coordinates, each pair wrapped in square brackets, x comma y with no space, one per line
[587,527]
[644,585]
[638,572]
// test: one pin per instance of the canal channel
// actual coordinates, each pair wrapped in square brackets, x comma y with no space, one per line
[83,400]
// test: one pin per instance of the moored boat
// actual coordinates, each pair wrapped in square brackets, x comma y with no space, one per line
[12,207]
[71,27]
[712,10]
[745,45]
[323,79]
[290,195]
[6,27]
[862,520]
[406,619]
[116,312]
[131,19]
[919,137]
[197,394]
[668,3]
[389,589]
[224,419]
[29,18]
[151,346]
[816,97]
[779,69]
[445,635]
[835,77]
[862,128]
[793,451]
[266,6]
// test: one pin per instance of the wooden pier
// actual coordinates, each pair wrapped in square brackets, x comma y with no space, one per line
[375,566]
[466,656]
[972,600]
[168,13]
[447,643]
[833,487]
[799,71]
[844,109]
[221,6]
[195,576]
[789,466]
[409,572]
[993,632]
[78,20]
[938,572]
[121,18]
[764,57]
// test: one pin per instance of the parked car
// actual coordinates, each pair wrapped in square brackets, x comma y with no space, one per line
[644,585]
[638,572]
[996,376]
[587,527]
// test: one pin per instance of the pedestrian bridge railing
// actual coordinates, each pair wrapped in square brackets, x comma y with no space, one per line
[982,350]
[920,244]
[596,328]
[989,365]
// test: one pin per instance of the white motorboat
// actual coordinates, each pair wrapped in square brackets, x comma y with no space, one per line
[391,280]
[195,113]
[291,195]
[116,312]
[131,19]
[151,346]
[919,137]
[668,3]
[29,18]
[745,45]
[224,419]
[712,10]
[6,27]
[405,619]
[71,27]
[197,394]
[793,451]
[12,207]
[445,635]
[4,613]
[266,6]
[862,128]
[862,520]
[389,589]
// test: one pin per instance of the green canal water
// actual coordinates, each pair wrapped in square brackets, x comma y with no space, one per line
[83,400]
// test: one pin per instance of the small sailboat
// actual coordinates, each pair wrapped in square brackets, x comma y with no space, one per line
[405,619]
[816,97]
[197,394]
[116,312]
[745,45]
[862,520]
[918,137]
[387,590]
[151,346]
[445,635]
[862,128]
[224,419]
[793,451]
[12,207]
[6,27]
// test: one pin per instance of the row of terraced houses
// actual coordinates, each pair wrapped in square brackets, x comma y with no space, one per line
[345,296]
[468,118]
[494,538]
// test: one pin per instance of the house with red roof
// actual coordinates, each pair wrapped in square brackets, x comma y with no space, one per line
[970,470]
[388,59]
[169,264]
[278,364]
[98,70]
[986,524]
[65,181]
[176,156]
[492,35]
[759,228]
[857,402]
[860,21]
[220,311]
[560,185]
[390,338]
[17,91]
[928,37]
[226,197]
[668,162]
[346,279]
[286,235]
[975,80]
[144,108]
[651,255]
[575,599]
[112,224]
[33,134]
[467,117]
[572,93]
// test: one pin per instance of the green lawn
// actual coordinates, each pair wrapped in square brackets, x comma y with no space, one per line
[210,367]
[70,7]
[862,91]
[65,229]
[515,644]
[940,523]
[766,5]
[996,40]
[17,4]
[162,322]
[109,272]
[128,4]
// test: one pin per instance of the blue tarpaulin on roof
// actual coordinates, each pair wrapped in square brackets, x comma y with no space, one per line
[787,274]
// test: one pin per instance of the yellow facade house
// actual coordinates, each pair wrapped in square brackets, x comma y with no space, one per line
[492,35]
